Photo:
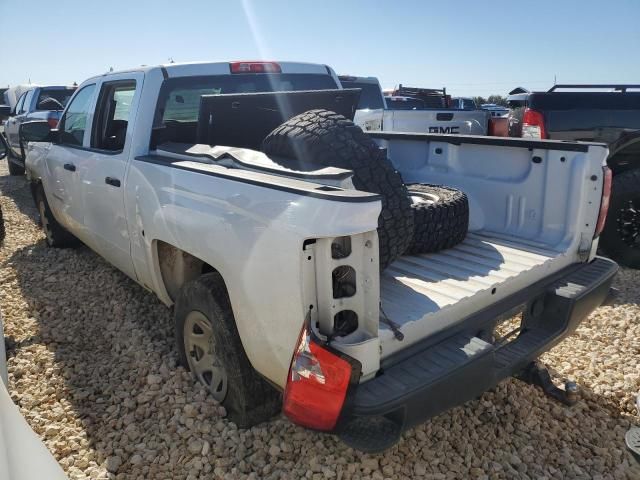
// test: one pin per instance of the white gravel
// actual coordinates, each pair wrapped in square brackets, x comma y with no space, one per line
[93,368]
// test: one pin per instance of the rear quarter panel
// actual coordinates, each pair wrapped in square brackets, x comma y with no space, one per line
[253,236]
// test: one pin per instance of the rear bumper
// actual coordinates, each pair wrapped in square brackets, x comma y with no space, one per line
[437,376]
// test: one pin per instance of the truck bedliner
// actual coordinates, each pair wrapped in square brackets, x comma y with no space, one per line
[461,366]
[424,294]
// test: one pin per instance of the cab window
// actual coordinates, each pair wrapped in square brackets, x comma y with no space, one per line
[27,102]
[20,103]
[112,115]
[74,121]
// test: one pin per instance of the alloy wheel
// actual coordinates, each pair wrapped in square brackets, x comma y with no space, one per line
[200,347]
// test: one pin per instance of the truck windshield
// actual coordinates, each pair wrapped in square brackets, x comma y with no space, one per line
[179,99]
[370,95]
[54,99]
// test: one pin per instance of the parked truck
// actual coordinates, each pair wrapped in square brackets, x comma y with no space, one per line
[270,249]
[374,114]
[598,113]
[35,103]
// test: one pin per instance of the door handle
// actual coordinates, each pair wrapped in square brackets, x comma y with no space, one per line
[112,181]
[70,166]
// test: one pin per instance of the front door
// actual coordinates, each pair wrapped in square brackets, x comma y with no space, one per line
[62,185]
[104,168]
[13,124]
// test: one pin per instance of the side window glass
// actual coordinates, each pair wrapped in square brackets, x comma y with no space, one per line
[20,102]
[27,102]
[74,121]
[112,115]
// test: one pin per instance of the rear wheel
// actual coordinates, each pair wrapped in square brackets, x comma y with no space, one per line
[57,235]
[441,217]
[14,168]
[209,346]
[2,228]
[620,238]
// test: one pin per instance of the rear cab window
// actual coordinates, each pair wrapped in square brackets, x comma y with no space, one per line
[20,103]
[53,99]
[178,104]
[370,94]
[27,102]
[405,104]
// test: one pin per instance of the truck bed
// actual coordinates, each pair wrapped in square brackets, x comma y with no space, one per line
[424,294]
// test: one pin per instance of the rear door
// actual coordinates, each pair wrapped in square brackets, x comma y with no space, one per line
[104,166]
[22,117]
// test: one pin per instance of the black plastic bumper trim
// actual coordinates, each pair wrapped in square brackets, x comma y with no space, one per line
[461,367]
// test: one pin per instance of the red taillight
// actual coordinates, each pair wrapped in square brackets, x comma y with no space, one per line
[53,122]
[255,67]
[533,124]
[604,203]
[317,384]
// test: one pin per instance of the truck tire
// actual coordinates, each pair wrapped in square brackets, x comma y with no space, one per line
[14,168]
[3,232]
[209,346]
[322,137]
[441,217]
[57,236]
[620,238]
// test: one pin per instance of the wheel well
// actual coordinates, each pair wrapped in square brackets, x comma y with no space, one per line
[177,267]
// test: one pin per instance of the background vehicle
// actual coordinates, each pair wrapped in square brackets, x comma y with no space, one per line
[404,103]
[464,103]
[374,115]
[495,110]
[12,94]
[5,112]
[432,97]
[23,454]
[35,103]
[600,113]
[358,352]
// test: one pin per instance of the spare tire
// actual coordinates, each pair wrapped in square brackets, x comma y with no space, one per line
[441,217]
[324,138]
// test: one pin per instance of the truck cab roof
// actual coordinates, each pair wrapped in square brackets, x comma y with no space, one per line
[188,69]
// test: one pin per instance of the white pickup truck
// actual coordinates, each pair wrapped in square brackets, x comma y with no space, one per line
[274,272]
[374,114]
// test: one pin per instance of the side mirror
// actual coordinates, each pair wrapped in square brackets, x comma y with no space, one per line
[38,131]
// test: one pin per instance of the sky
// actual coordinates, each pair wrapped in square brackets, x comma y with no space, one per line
[472,47]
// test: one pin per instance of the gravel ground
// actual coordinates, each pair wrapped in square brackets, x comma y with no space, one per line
[93,368]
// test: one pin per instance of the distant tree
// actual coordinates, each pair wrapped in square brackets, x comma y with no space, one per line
[498,100]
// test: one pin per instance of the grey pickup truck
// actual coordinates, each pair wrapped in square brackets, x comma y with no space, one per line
[374,113]
[594,113]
